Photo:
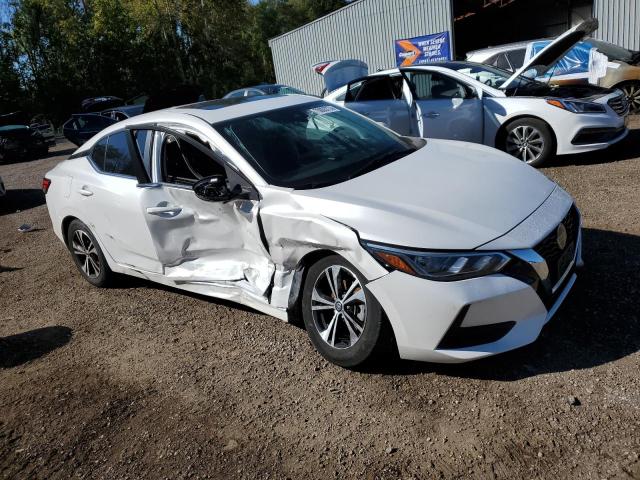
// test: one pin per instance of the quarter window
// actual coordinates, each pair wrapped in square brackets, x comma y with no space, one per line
[112,155]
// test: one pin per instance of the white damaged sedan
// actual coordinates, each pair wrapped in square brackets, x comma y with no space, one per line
[446,251]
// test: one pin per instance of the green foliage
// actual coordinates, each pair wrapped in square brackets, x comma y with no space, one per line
[54,53]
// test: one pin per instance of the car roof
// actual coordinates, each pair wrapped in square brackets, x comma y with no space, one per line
[211,112]
[501,48]
[214,111]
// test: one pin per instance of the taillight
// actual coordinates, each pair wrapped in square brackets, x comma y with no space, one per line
[46,183]
[320,67]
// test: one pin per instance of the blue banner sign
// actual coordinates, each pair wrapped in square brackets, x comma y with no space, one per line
[423,50]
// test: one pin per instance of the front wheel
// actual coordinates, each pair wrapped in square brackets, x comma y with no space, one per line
[631,90]
[529,140]
[343,320]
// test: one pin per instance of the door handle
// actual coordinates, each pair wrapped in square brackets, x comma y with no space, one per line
[168,211]
[432,115]
[85,192]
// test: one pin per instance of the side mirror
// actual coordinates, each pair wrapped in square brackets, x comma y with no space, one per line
[471,93]
[213,189]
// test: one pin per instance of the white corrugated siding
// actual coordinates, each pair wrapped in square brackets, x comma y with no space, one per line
[365,29]
[619,22]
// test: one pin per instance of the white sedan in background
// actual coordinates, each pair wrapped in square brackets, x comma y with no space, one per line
[483,104]
[442,251]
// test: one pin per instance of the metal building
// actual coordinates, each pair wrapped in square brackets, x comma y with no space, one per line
[364,29]
[368,30]
[619,22]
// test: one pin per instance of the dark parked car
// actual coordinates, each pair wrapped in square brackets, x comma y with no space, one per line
[82,126]
[19,142]
[121,113]
[98,104]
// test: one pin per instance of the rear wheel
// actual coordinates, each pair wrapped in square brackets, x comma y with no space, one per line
[632,92]
[529,140]
[87,255]
[344,321]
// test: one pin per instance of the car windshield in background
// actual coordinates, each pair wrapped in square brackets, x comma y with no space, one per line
[312,145]
[280,90]
[614,52]
[495,77]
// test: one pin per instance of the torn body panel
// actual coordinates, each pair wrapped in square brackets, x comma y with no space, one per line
[293,233]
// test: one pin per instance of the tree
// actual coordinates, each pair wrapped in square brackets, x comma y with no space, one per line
[54,53]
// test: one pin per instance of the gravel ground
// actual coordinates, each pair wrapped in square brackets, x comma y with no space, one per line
[142,381]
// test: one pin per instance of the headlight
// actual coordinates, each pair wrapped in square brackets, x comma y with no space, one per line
[577,107]
[440,266]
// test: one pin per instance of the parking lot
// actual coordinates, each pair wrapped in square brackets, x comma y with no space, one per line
[142,381]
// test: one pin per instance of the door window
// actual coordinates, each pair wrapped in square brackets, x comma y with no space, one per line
[435,86]
[185,164]
[375,88]
[112,155]
[90,122]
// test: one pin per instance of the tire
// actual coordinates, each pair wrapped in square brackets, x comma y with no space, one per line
[529,140]
[92,264]
[632,92]
[333,327]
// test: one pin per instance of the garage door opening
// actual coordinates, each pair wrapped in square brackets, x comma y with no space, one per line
[483,23]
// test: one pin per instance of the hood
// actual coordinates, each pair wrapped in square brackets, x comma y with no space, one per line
[338,73]
[447,195]
[548,56]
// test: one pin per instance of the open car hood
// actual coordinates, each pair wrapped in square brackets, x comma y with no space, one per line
[337,73]
[446,195]
[552,53]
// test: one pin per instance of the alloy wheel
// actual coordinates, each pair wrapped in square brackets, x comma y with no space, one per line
[338,307]
[86,253]
[632,92]
[526,143]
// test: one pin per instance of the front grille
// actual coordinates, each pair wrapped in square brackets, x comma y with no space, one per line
[620,105]
[559,259]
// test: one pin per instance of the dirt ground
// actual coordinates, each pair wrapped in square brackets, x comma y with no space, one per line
[141,381]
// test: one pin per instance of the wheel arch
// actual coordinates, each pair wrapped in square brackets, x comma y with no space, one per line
[66,221]
[502,131]
[299,275]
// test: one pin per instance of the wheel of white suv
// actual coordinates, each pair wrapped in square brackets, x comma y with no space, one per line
[529,140]
[344,321]
[87,255]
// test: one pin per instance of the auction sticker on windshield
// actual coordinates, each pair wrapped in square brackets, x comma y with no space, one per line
[325,109]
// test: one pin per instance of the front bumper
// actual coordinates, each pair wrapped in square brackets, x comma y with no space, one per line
[451,322]
[586,133]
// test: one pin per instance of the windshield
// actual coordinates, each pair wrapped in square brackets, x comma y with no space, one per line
[312,145]
[279,90]
[614,52]
[495,77]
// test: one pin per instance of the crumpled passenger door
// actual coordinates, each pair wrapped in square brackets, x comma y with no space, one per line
[199,241]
